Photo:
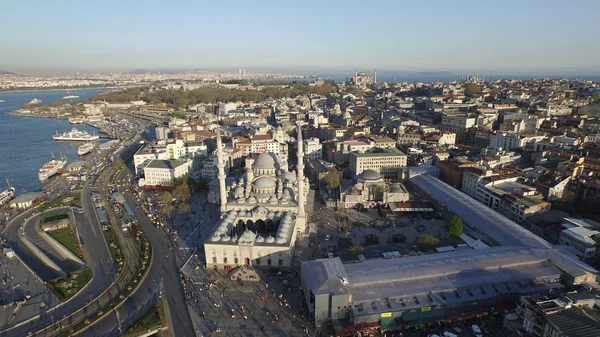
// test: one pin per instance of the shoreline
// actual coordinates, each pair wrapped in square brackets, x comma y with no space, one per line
[45,90]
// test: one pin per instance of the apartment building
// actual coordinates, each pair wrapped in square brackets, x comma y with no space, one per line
[163,172]
[386,161]
[313,149]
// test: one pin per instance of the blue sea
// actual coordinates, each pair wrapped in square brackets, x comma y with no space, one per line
[26,142]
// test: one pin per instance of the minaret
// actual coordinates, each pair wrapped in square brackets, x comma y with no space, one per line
[221,170]
[346,77]
[375,76]
[300,168]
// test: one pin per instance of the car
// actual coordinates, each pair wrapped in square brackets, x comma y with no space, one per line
[476,330]
[327,237]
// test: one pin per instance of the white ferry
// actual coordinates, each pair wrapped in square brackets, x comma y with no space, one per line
[52,167]
[7,194]
[85,148]
[75,135]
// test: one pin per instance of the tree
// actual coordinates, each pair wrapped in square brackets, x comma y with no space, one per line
[426,241]
[332,178]
[454,226]
[356,250]
[165,200]
[472,89]
[182,192]
[184,207]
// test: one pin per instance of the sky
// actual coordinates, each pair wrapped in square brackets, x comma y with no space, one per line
[526,36]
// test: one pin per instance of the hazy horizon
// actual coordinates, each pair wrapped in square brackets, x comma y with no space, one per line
[512,37]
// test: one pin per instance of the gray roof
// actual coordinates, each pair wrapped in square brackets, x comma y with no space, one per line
[165,164]
[264,161]
[27,197]
[576,322]
[324,276]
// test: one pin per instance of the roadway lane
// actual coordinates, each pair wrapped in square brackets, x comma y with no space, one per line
[165,269]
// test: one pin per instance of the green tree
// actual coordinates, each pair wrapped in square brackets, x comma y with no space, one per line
[472,89]
[454,226]
[332,178]
[356,249]
[165,200]
[184,207]
[426,241]
[182,192]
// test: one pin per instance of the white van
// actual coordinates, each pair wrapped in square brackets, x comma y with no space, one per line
[476,330]
[449,334]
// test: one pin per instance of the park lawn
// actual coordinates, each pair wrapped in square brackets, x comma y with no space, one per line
[153,319]
[65,287]
[74,199]
[55,217]
[66,239]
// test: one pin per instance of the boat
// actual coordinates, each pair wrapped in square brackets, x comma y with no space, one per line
[7,194]
[52,167]
[75,135]
[85,148]
[77,120]
[35,101]
[70,97]
[1,101]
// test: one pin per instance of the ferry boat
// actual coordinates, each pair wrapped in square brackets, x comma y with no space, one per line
[70,97]
[85,148]
[77,120]
[7,194]
[52,167]
[1,101]
[75,135]
[35,101]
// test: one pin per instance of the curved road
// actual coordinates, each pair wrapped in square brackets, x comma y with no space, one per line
[96,255]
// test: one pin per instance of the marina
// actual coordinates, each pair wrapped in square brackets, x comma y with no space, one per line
[31,148]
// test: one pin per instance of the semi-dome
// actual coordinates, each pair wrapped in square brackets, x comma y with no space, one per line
[247,237]
[369,175]
[280,241]
[252,200]
[264,182]
[264,161]
[238,191]
[270,239]
[273,200]
[260,239]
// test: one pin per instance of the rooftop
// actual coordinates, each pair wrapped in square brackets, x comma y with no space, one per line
[165,164]
[379,152]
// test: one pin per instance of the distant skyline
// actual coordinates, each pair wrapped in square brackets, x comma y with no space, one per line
[508,37]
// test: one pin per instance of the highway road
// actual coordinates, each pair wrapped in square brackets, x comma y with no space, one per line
[162,276]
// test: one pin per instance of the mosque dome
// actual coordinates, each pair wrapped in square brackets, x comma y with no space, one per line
[270,239]
[264,162]
[273,200]
[260,239]
[251,200]
[369,175]
[264,182]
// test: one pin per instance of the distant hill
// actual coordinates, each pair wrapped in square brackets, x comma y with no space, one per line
[2,72]
[140,71]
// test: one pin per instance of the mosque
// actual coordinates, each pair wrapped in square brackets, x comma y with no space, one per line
[261,213]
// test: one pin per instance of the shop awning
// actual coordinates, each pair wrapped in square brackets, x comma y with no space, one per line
[424,316]
[388,323]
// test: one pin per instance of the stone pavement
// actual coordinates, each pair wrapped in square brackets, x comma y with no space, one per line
[18,282]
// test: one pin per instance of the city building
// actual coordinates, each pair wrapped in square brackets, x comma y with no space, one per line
[386,161]
[261,214]
[370,190]
[313,149]
[512,140]
[569,314]
[164,172]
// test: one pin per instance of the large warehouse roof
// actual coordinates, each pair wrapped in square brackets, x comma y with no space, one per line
[478,216]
